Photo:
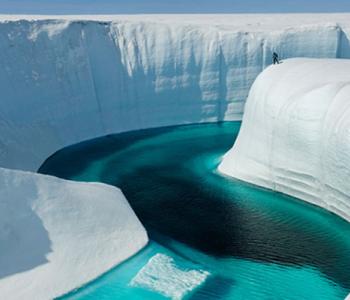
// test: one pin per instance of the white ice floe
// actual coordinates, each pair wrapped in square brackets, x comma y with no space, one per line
[295,135]
[162,275]
[56,235]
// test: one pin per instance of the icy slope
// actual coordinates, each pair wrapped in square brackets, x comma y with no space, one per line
[56,235]
[64,80]
[295,136]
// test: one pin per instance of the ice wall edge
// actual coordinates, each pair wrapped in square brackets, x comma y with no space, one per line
[64,81]
[295,133]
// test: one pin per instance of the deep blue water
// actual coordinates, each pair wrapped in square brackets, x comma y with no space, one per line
[256,244]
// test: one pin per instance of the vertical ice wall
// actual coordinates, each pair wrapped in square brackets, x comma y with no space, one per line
[65,81]
[295,135]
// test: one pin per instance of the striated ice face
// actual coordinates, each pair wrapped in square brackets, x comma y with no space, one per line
[295,135]
[64,81]
[162,275]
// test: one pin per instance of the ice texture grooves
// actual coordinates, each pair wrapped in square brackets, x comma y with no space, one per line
[68,79]
[295,135]
[57,235]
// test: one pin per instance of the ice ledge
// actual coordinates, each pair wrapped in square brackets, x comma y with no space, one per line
[257,22]
[295,135]
[57,235]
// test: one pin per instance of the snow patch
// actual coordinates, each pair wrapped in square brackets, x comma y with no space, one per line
[51,29]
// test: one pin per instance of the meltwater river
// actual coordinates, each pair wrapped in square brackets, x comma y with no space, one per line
[251,243]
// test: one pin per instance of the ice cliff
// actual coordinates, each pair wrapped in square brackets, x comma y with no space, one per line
[65,80]
[295,135]
[56,235]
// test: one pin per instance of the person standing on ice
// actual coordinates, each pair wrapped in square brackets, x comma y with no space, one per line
[275,58]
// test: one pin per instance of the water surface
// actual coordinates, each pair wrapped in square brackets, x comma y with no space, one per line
[255,243]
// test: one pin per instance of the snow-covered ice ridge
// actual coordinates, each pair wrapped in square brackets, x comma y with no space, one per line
[68,79]
[295,135]
[56,235]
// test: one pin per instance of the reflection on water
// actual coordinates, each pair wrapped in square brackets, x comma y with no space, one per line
[256,244]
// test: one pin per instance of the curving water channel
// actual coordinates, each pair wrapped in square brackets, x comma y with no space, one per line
[235,240]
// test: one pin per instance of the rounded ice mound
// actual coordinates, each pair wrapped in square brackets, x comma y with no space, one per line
[56,235]
[295,135]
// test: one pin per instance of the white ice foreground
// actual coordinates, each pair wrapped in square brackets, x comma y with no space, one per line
[56,235]
[295,135]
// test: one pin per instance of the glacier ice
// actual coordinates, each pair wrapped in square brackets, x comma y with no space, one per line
[162,275]
[57,235]
[295,134]
[66,80]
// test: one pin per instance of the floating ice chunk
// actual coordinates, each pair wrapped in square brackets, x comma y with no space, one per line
[162,275]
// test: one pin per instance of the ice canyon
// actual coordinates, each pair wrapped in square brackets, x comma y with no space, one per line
[64,80]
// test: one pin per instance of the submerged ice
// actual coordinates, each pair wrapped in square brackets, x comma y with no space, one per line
[162,275]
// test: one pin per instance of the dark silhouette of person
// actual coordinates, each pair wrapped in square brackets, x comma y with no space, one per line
[275,58]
